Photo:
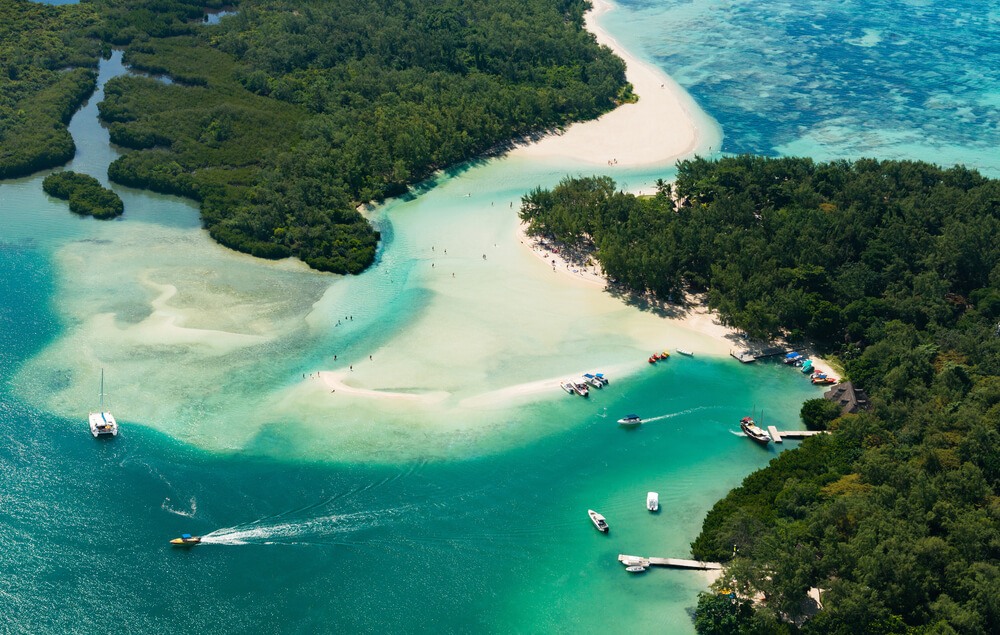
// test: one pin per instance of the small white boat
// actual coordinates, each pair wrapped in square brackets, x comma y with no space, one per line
[652,501]
[580,387]
[684,351]
[636,569]
[567,386]
[598,520]
[593,380]
[601,377]
[103,424]
[630,420]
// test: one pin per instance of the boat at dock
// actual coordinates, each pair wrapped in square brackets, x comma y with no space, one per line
[636,568]
[186,540]
[822,379]
[755,432]
[685,352]
[598,520]
[793,358]
[652,501]
[807,366]
[630,420]
[102,423]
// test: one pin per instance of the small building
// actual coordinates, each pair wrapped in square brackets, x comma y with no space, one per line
[849,398]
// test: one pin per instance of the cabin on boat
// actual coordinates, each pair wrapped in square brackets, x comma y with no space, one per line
[850,399]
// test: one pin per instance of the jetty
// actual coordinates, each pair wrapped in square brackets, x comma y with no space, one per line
[676,563]
[751,355]
[780,435]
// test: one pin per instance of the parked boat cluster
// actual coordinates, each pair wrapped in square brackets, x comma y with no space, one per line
[581,385]
[601,523]
[806,366]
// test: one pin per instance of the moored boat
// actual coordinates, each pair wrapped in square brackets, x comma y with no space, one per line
[793,358]
[652,501]
[598,520]
[580,387]
[636,568]
[822,379]
[567,386]
[686,352]
[653,358]
[601,377]
[755,432]
[630,420]
[807,366]
[102,424]
[186,540]
[593,380]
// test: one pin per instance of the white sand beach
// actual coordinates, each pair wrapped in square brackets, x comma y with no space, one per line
[665,124]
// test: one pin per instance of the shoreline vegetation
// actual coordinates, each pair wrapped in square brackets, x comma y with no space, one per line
[286,115]
[892,520]
[85,194]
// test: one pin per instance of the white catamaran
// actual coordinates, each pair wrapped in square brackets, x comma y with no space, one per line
[103,424]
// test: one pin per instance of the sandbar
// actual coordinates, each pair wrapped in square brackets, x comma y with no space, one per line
[663,125]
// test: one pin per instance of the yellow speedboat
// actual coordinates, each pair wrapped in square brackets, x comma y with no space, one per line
[186,540]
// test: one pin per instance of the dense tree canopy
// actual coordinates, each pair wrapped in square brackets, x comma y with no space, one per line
[85,194]
[285,116]
[47,59]
[895,265]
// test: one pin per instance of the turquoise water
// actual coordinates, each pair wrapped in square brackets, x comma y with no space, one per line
[442,499]
[918,79]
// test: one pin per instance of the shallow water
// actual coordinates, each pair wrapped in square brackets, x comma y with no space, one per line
[451,495]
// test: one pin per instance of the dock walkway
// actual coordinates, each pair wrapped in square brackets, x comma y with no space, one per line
[676,563]
[780,435]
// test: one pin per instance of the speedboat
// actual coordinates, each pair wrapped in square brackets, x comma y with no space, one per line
[684,351]
[103,424]
[821,379]
[793,358]
[636,568]
[755,432]
[601,377]
[630,420]
[807,366]
[652,501]
[580,387]
[567,386]
[598,520]
[593,380]
[186,540]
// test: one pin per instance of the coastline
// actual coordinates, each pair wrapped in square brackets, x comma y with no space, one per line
[663,125]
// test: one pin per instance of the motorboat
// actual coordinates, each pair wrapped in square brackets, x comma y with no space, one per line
[567,386]
[755,432]
[823,380]
[598,520]
[653,358]
[580,387]
[593,380]
[636,568]
[652,501]
[102,423]
[793,358]
[685,352]
[186,540]
[630,420]
[664,355]
[807,366]
[601,377]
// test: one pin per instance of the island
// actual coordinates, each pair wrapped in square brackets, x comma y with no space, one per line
[287,115]
[85,194]
[889,524]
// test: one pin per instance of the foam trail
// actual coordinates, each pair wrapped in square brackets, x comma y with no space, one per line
[318,529]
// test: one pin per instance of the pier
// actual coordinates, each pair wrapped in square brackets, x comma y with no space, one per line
[676,563]
[779,436]
[751,355]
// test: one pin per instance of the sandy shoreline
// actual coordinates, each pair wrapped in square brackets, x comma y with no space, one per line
[666,123]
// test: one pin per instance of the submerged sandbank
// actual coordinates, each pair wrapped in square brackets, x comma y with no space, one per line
[664,125]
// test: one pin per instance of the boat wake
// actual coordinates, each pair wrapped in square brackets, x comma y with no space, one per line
[671,415]
[188,513]
[331,529]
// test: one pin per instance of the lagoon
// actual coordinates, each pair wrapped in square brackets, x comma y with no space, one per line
[446,491]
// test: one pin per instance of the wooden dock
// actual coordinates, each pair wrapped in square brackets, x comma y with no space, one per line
[744,356]
[751,355]
[780,435]
[675,563]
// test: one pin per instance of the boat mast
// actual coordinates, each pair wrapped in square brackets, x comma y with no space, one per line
[102,390]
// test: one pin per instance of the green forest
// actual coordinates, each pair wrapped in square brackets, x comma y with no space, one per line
[894,267]
[85,194]
[287,115]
